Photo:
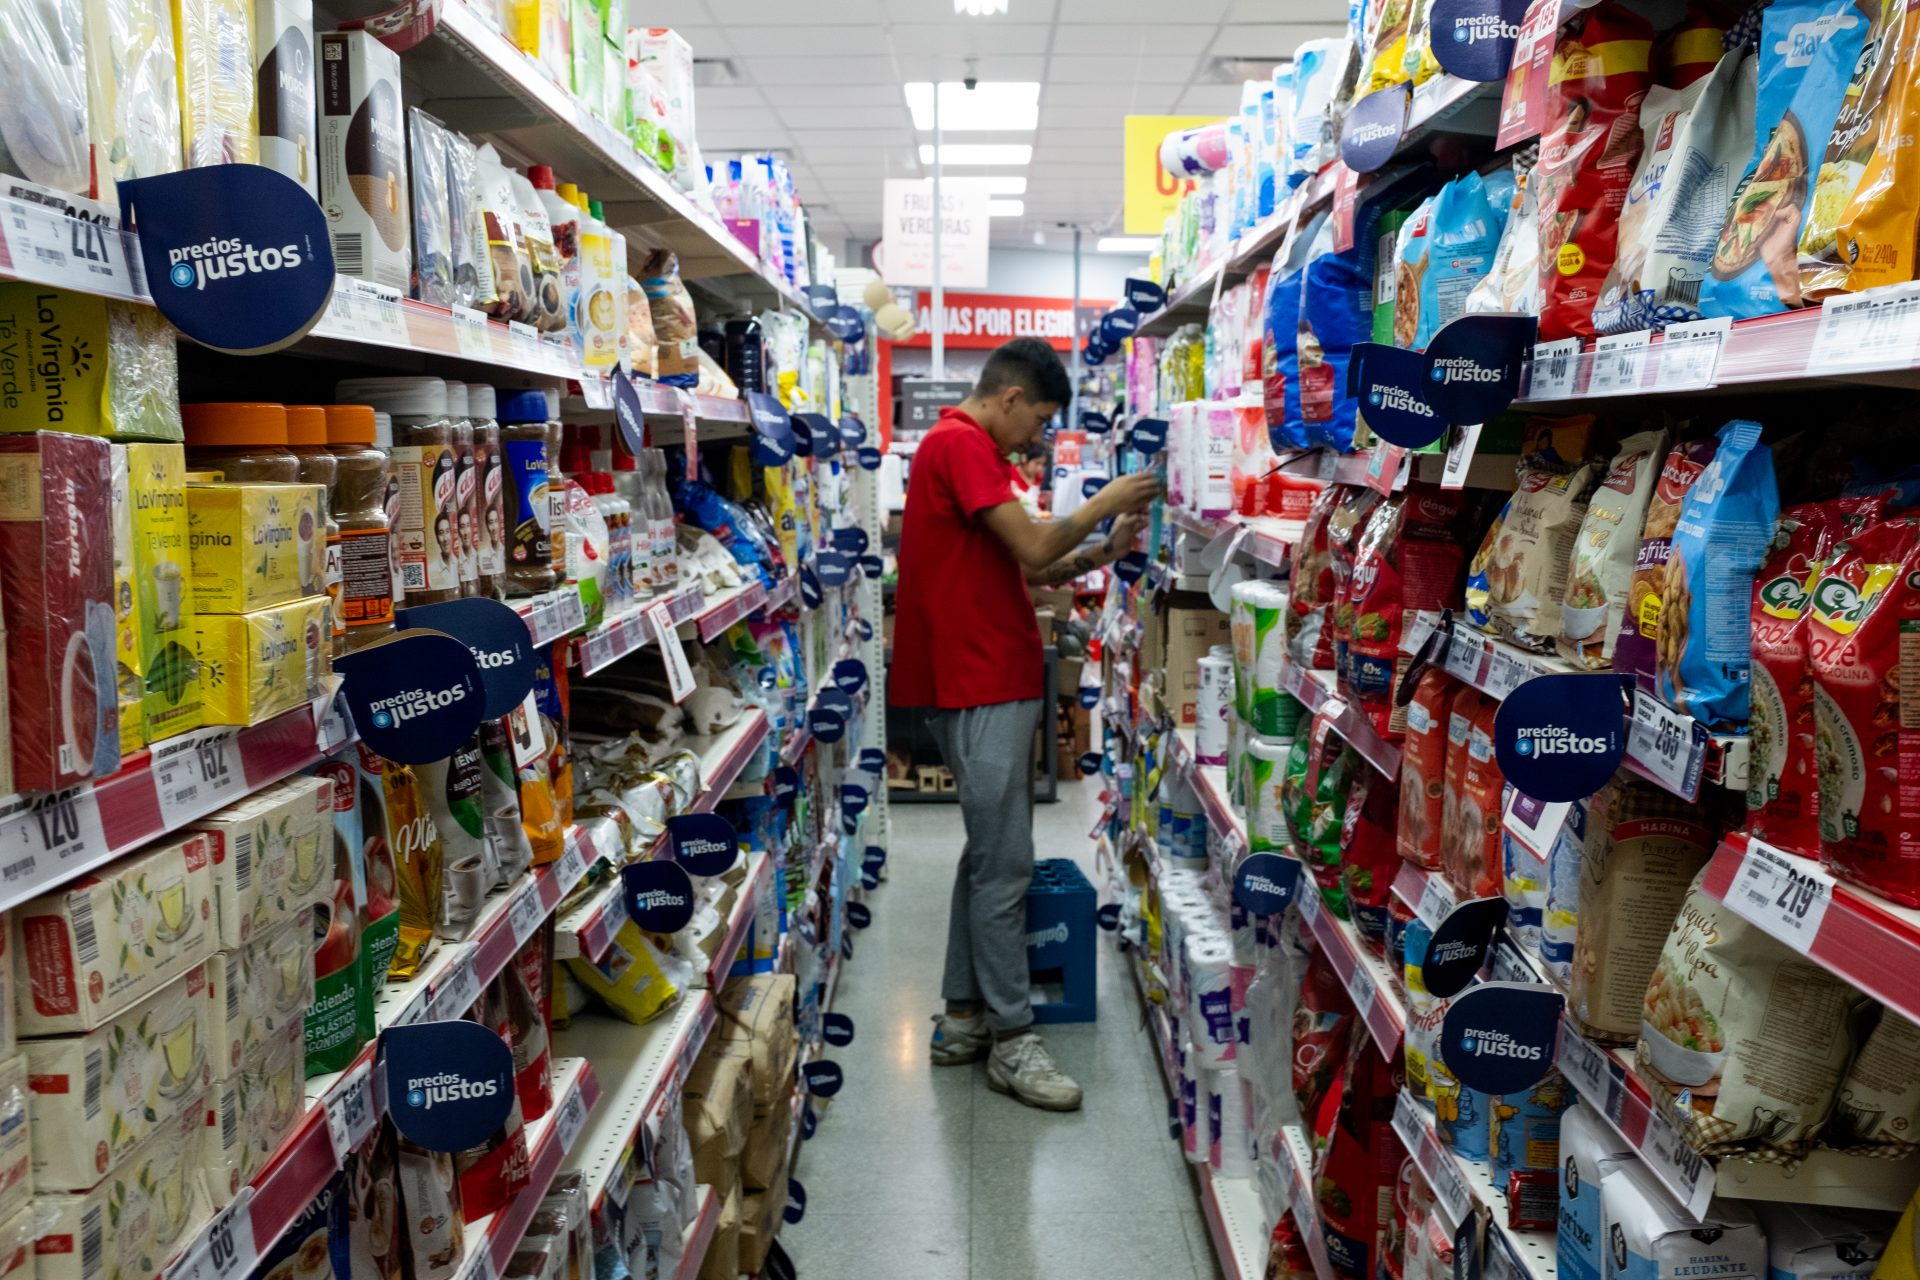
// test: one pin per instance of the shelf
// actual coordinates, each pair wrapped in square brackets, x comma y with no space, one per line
[1316,692]
[154,793]
[1365,975]
[798,740]
[1209,783]
[640,1069]
[552,616]
[630,631]
[1607,1080]
[588,928]
[1462,1186]
[723,611]
[1297,1157]
[699,1235]
[1870,942]
[492,1241]
[759,869]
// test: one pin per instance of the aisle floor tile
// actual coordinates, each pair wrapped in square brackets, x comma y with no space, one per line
[1114,1245]
[1097,1173]
[928,1245]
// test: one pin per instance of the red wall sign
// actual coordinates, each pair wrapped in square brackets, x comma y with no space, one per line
[982,321]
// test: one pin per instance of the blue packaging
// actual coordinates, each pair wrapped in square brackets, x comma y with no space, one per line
[1525,1128]
[1589,1150]
[1463,235]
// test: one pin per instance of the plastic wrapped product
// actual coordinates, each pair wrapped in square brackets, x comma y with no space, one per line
[512,275]
[433,230]
[1591,1152]
[43,95]
[1463,236]
[1422,763]
[473,284]
[1807,1243]
[1600,569]
[1649,1237]
[1412,326]
[133,107]
[1318,67]
[1409,559]
[213,47]
[1635,650]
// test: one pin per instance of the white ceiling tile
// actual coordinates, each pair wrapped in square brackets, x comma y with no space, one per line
[801,111]
[1114,97]
[1201,13]
[1275,41]
[1296,11]
[1089,143]
[1209,99]
[1087,39]
[677,14]
[838,41]
[760,137]
[773,69]
[990,41]
[724,97]
[826,140]
[1069,69]
[951,63]
[1052,118]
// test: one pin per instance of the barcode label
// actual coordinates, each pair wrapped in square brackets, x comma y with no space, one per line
[90,1244]
[92,1066]
[86,942]
[229,1118]
[348,254]
[243,861]
[234,979]
[1786,896]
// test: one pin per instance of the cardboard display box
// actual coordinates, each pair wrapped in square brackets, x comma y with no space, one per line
[1194,626]
[723,1255]
[763,1163]
[757,1013]
[718,1105]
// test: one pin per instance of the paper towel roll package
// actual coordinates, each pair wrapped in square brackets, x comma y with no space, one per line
[1210,996]
[1211,712]
[1266,769]
[1268,708]
[1230,1127]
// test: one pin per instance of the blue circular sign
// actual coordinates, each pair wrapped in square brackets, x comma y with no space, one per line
[1460,944]
[658,894]
[1149,435]
[1499,1037]
[1561,737]
[823,1077]
[850,540]
[836,1029]
[498,638]
[810,593]
[833,568]
[449,1082]
[1265,883]
[1129,567]
[415,698]
[869,458]
[859,915]
[850,676]
[704,843]
[1373,127]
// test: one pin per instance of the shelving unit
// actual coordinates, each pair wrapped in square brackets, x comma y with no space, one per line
[1462,1187]
[493,1240]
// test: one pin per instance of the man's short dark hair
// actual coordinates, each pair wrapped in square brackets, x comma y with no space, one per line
[1031,365]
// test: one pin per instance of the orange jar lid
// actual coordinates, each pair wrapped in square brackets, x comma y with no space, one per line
[349,424]
[307,426]
[235,423]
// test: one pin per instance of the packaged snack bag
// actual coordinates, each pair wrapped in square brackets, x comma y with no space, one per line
[1467,707]
[1463,234]
[1878,1109]
[1876,232]
[1368,861]
[1807,53]
[1519,575]
[1423,760]
[1412,326]
[1702,646]
[1343,539]
[1409,558]
[1634,652]
[1474,868]
[1600,569]
[1310,604]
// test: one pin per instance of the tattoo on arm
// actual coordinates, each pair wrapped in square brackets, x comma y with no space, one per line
[1079,564]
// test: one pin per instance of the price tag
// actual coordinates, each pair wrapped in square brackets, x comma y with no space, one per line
[1786,896]
[483,1268]
[1360,986]
[1460,449]
[598,392]
[196,774]
[1619,361]
[524,340]
[1556,365]
[1467,656]
[1407,1123]
[524,731]
[1448,1182]
[1669,746]
[1436,900]
[1690,354]
[672,652]
[599,649]
[524,915]
[47,838]
[1876,328]
[1387,468]
[455,993]
[1684,1170]
[378,313]
[569,610]
[470,334]
[350,1111]
[571,868]
[225,1251]
[572,1118]
[1586,1066]
[1309,900]
[335,727]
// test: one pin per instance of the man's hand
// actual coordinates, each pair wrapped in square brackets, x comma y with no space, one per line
[1126,531]
[1126,494]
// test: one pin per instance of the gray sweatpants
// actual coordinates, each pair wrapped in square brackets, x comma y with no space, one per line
[990,751]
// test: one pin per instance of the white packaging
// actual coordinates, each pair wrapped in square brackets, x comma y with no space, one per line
[272,855]
[1209,964]
[668,59]
[1210,713]
[133,104]
[16,1246]
[1805,1243]
[1214,478]
[97,1096]
[1589,1151]
[283,90]
[260,990]
[363,159]
[88,951]
[251,1113]
[1648,1238]
[16,1143]
[43,95]
[131,1221]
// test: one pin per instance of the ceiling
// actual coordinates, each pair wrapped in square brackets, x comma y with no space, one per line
[826,90]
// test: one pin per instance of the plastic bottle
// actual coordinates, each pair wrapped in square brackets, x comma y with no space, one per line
[245,442]
[466,490]
[563,220]
[491,523]
[360,512]
[665,544]
[616,284]
[619,517]
[529,511]
[597,318]
[307,437]
[424,459]
[746,360]
[556,491]
[630,482]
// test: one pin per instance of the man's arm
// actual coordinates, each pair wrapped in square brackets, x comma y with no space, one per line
[1037,546]
[1087,559]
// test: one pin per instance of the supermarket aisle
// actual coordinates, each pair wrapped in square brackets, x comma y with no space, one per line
[925,1172]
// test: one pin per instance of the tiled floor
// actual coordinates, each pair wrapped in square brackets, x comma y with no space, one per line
[924,1172]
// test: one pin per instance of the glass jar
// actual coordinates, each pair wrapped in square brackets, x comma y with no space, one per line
[424,461]
[490,522]
[307,437]
[360,513]
[245,442]
[529,511]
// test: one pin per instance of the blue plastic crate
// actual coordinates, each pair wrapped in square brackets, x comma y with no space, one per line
[1061,906]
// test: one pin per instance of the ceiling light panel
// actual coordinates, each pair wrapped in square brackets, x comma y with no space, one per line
[992,105]
[1006,208]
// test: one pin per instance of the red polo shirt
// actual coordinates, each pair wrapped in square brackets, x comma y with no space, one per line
[964,631]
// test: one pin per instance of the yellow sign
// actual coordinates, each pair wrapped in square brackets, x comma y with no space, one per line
[1153,193]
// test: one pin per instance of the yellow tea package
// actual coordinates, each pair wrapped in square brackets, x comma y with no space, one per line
[255,545]
[86,365]
[163,603]
[153,1197]
[94,947]
[256,665]
[96,1096]
[126,628]
[133,110]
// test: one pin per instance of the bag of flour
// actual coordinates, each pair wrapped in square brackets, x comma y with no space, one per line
[1805,1243]
[1589,1150]
[1647,1238]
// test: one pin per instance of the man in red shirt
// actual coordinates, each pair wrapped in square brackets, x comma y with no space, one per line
[966,645]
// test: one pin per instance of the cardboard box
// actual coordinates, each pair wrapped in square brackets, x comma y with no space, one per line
[283,57]
[87,952]
[764,1162]
[260,990]
[16,1144]
[718,1105]
[251,1112]
[56,581]
[363,159]
[162,603]
[759,1222]
[98,1096]
[758,1012]
[1194,626]
[159,1175]
[723,1255]
[269,858]
[251,546]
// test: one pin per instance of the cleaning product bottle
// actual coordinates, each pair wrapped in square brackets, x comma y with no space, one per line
[617,284]
[619,517]
[563,222]
[597,318]
[665,534]
[630,482]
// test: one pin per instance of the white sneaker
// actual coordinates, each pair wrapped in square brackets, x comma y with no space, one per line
[957,1041]
[1022,1068]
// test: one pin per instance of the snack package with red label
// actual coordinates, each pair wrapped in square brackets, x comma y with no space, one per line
[1782,792]
[1476,869]
[1588,152]
[1467,705]
[1368,859]
[1866,715]
[1322,1035]
[1423,765]
[1635,652]
[1310,604]
[1358,1179]
[1331,770]
[1411,557]
[1344,527]
[1287,1251]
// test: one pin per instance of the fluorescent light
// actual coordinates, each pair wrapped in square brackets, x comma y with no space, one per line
[972,153]
[979,8]
[1006,208]
[1003,105]
[1001,185]
[1126,244]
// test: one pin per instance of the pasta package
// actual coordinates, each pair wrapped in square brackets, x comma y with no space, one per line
[1703,646]
[1807,53]
[1634,651]
[1861,609]
[1589,148]
[1878,1110]
[1600,570]
[1755,1035]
